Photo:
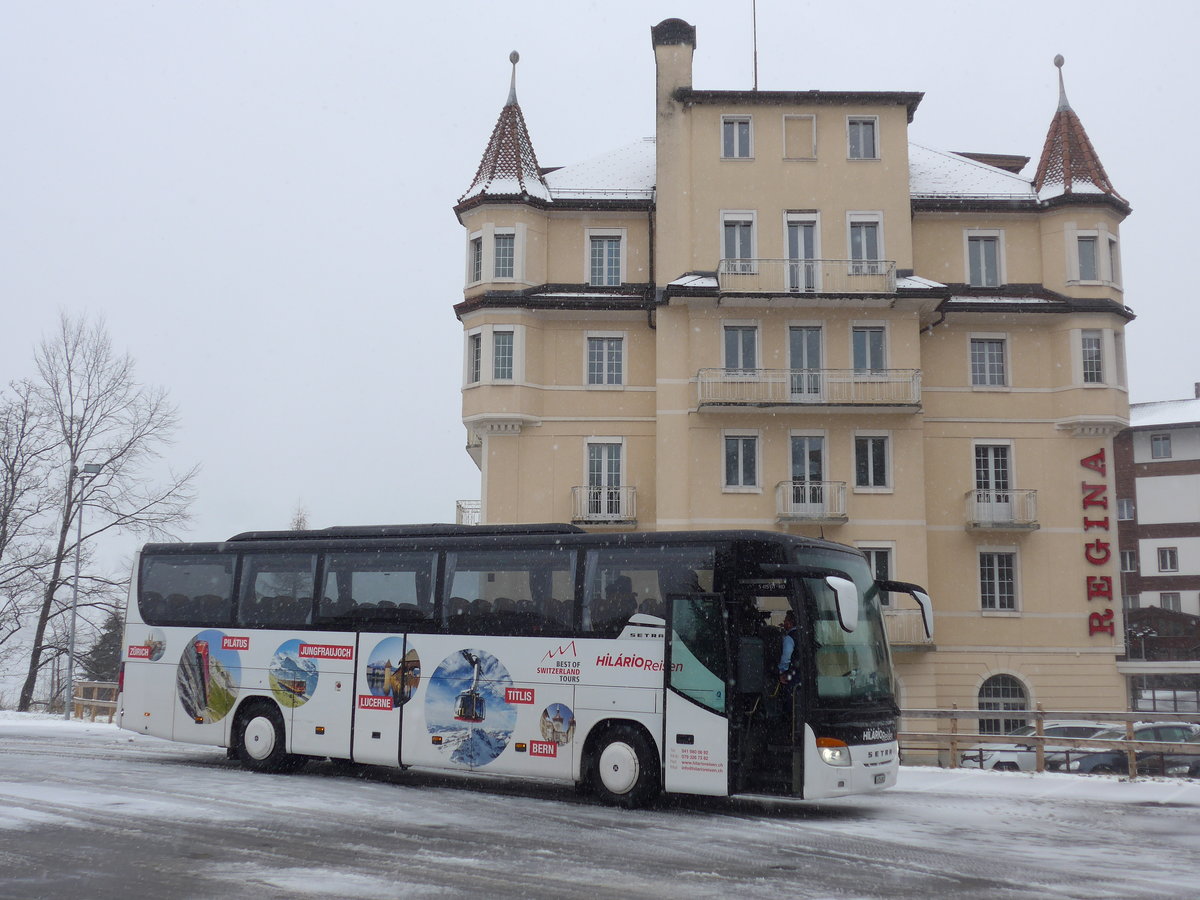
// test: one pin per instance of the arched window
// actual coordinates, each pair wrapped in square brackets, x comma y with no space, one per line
[1002,692]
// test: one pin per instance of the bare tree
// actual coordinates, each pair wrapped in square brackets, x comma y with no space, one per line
[26,449]
[101,416]
[299,517]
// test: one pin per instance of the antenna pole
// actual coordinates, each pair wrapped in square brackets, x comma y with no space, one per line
[754,28]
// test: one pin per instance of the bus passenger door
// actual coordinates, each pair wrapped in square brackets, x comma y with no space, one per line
[696,726]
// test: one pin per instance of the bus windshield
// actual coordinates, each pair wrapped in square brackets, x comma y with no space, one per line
[852,668]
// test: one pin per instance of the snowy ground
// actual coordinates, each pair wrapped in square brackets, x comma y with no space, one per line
[91,811]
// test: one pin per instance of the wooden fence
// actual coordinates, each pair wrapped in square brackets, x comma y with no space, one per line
[951,741]
[94,698]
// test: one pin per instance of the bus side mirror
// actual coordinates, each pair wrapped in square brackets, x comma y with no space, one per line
[846,597]
[917,593]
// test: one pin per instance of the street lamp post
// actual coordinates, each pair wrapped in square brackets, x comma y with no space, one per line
[90,471]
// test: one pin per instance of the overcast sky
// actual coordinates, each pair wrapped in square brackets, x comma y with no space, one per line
[257,196]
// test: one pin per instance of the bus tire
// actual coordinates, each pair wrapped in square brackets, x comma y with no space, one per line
[261,740]
[624,769]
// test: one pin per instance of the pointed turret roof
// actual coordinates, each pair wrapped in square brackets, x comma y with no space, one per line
[509,168]
[1069,164]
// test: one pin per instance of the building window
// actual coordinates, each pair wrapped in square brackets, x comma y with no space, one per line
[799,137]
[862,138]
[998,581]
[474,358]
[1128,560]
[502,355]
[869,348]
[864,246]
[737,241]
[741,461]
[1124,510]
[870,461]
[1169,600]
[605,360]
[605,256]
[1160,446]
[983,260]
[1168,559]
[988,363]
[804,360]
[1086,249]
[476,260]
[1114,260]
[735,137]
[1002,692]
[604,478]
[803,270]
[1131,601]
[504,256]
[1093,356]
[879,561]
[741,347]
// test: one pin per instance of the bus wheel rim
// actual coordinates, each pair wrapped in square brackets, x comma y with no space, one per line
[259,738]
[619,767]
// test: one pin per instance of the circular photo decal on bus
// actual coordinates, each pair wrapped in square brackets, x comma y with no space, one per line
[557,723]
[208,677]
[465,707]
[393,673]
[293,678]
[152,647]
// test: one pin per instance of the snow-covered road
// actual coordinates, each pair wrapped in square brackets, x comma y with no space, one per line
[91,811]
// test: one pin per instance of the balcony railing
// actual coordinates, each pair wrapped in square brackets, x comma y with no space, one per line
[468,512]
[807,276]
[603,505]
[898,388]
[1002,510]
[905,627]
[811,501]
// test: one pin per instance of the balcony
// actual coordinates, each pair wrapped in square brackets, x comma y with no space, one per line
[880,390]
[600,505]
[816,502]
[807,276]
[905,629]
[468,512]
[1002,510]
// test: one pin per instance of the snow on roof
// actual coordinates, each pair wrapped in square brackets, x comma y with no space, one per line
[1164,412]
[975,298]
[911,282]
[939,173]
[624,173]
[696,281]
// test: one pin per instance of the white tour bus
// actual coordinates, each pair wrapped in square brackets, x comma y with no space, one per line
[631,663]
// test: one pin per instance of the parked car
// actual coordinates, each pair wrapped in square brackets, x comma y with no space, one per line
[1107,762]
[1022,757]
[1177,765]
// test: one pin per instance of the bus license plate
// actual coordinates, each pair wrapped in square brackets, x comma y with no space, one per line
[879,779]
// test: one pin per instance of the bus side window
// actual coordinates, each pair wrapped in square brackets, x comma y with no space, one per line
[379,590]
[620,583]
[180,589]
[511,592]
[277,589]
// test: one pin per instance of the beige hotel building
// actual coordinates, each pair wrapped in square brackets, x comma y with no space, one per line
[781,313]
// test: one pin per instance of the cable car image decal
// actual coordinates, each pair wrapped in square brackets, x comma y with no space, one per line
[465,707]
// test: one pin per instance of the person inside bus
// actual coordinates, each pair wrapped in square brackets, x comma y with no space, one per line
[619,604]
[787,651]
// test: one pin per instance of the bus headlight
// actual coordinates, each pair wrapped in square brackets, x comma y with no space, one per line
[833,752]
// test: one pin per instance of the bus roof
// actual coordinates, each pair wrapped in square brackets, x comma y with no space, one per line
[368,536]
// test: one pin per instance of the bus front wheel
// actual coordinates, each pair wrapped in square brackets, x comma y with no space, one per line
[260,740]
[624,770]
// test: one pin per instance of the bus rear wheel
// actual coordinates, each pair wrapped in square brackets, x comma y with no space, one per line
[261,740]
[624,770]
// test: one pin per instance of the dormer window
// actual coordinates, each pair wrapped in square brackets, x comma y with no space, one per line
[736,137]
[861,134]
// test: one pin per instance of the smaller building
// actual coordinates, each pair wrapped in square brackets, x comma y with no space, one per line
[1158,516]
